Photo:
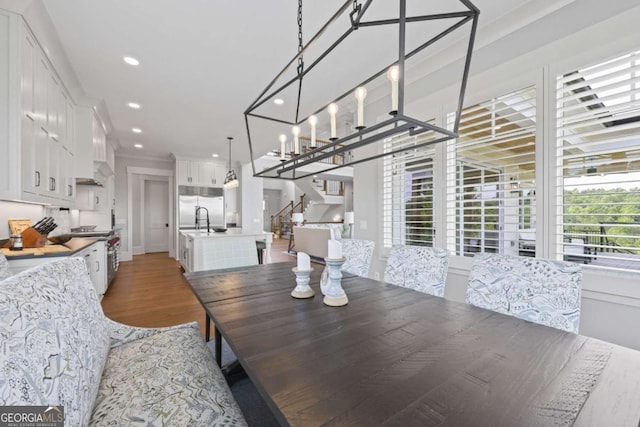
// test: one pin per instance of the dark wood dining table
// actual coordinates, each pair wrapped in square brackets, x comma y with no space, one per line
[394,356]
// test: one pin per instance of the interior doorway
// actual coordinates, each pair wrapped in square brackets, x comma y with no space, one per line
[156,216]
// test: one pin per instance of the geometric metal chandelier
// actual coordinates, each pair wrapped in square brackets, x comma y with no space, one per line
[289,131]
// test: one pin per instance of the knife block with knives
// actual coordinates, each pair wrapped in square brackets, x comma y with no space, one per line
[35,236]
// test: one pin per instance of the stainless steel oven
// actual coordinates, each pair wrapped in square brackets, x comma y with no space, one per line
[113,258]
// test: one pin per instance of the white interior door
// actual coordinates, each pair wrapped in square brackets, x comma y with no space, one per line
[156,206]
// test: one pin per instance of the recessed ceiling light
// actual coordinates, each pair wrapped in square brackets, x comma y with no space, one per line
[278,101]
[136,130]
[131,61]
[215,155]
[134,105]
[137,145]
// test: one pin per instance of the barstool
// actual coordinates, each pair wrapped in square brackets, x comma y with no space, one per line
[260,246]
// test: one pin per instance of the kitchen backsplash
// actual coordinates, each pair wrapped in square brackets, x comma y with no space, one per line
[16,210]
[65,219]
[101,220]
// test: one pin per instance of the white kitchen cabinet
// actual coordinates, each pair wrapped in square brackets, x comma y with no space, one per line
[99,140]
[95,256]
[70,138]
[93,153]
[91,198]
[67,178]
[211,174]
[40,138]
[230,201]
[33,122]
[199,173]
[186,252]
[188,172]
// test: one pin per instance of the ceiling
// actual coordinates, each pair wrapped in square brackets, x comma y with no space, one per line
[202,63]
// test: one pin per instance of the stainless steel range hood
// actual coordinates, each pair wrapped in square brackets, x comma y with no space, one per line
[88,181]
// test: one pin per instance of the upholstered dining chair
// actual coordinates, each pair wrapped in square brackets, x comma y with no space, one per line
[358,254]
[419,268]
[539,290]
[4,267]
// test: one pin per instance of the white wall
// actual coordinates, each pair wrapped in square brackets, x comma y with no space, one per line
[611,302]
[252,214]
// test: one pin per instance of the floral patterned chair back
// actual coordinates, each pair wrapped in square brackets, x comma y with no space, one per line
[539,290]
[55,339]
[4,267]
[420,268]
[358,254]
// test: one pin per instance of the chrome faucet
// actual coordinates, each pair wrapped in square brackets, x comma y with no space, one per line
[198,218]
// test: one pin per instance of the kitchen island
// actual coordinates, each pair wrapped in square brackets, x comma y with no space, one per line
[200,250]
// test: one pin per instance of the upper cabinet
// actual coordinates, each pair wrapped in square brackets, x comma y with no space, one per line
[34,121]
[211,174]
[94,154]
[200,173]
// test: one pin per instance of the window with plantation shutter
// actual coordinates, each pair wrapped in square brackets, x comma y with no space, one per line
[598,151]
[491,177]
[408,190]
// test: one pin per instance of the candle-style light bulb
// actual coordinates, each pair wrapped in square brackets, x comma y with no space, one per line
[393,74]
[333,110]
[283,141]
[296,142]
[313,121]
[361,94]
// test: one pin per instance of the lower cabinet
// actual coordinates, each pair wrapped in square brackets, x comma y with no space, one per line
[95,257]
[186,252]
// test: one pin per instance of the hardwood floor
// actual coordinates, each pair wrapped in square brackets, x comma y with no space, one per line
[150,291]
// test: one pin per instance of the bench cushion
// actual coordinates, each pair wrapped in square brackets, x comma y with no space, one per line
[53,339]
[169,378]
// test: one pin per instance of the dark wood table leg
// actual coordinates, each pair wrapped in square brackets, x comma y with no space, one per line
[218,338]
[207,327]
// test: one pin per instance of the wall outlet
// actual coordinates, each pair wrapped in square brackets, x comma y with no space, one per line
[363,225]
[376,275]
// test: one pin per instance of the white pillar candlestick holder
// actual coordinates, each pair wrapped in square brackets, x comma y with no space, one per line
[334,294]
[302,290]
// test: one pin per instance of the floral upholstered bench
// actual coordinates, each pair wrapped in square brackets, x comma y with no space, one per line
[58,348]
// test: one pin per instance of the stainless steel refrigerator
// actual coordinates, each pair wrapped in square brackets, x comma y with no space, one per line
[210,198]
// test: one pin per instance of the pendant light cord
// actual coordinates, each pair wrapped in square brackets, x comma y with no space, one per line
[230,139]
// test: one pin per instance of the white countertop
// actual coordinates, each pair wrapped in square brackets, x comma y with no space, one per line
[231,232]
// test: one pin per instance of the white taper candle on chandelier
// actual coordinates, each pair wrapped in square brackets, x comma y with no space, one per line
[296,141]
[334,249]
[333,110]
[313,121]
[283,141]
[394,75]
[361,94]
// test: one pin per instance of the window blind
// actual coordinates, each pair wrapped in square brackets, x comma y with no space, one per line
[491,177]
[408,190]
[598,151]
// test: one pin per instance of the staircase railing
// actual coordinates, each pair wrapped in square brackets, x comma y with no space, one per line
[336,159]
[281,222]
[333,188]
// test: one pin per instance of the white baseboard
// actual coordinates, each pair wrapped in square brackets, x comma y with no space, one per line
[138,250]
